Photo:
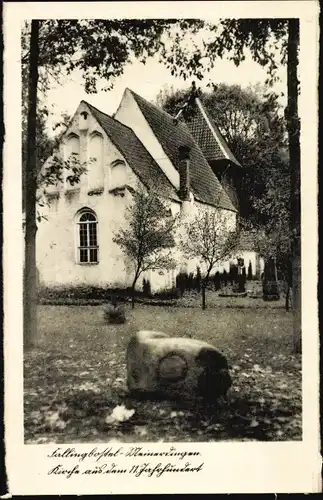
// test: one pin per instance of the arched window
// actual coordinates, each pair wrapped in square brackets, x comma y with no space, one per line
[87,238]
[95,156]
[118,174]
[73,146]
[72,157]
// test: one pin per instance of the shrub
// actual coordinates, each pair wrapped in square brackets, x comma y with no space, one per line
[250,271]
[114,314]
[198,279]
[182,282]
[84,292]
[190,282]
[233,273]
[225,277]
[172,293]
[146,288]
[217,281]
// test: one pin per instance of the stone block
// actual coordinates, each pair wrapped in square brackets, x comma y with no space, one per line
[175,368]
[271,290]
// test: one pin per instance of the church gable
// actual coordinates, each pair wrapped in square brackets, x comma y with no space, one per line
[98,140]
[111,153]
[136,155]
[172,135]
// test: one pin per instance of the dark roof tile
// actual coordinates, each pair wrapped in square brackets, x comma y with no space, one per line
[214,148]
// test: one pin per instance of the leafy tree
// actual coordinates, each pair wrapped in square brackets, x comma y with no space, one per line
[273,238]
[208,238]
[100,48]
[45,145]
[148,236]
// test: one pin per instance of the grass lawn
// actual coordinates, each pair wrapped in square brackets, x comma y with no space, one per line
[77,376]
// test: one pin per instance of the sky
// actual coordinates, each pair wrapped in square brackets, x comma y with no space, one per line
[147,80]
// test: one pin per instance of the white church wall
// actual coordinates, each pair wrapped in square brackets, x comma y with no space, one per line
[193,209]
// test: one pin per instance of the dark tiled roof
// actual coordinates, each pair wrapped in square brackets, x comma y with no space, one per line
[213,148]
[138,158]
[204,183]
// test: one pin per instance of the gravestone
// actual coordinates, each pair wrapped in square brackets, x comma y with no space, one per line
[270,282]
[175,368]
[239,286]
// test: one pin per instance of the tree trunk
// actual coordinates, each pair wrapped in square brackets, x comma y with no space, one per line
[133,290]
[205,282]
[287,297]
[203,297]
[293,127]
[288,284]
[30,187]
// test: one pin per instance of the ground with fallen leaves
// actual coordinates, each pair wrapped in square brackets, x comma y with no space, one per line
[75,380]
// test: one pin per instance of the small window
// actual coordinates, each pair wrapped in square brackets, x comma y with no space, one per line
[88,241]
[73,146]
[95,173]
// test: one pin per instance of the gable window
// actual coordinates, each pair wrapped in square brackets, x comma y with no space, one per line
[72,156]
[87,238]
[118,175]
[73,147]
[95,173]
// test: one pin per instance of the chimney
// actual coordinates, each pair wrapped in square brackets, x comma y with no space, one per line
[184,173]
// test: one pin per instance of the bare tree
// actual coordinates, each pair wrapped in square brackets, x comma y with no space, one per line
[211,240]
[148,236]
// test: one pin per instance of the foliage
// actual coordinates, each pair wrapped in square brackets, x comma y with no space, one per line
[250,274]
[198,278]
[216,280]
[182,282]
[101,48]
[45,145]
[168,294]
[147,239]
[114,314]
[85,292]
[210,239]
[273,237]
[146,287]
[265,39]
[53,172]
[77,378]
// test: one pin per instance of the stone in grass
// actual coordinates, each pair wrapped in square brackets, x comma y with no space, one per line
[161,366]
[114,314]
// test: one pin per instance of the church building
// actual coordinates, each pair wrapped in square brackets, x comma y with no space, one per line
[141,145]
